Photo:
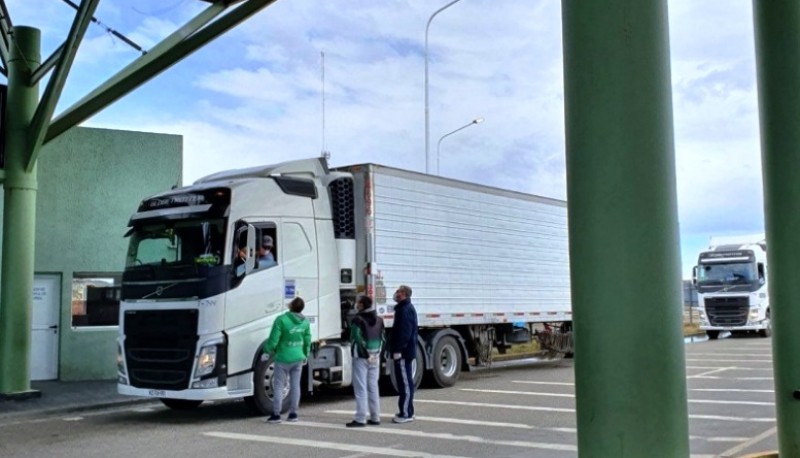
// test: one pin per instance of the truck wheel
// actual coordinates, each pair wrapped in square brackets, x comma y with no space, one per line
[181,404]
[766,332]
[446,362]
[418,367]
[261,401]
[712,335]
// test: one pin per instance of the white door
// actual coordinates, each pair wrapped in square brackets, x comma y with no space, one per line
[44,341]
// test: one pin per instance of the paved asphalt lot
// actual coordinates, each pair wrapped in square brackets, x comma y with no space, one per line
[515,410]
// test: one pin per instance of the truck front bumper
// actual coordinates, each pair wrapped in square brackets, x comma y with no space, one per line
[206,394]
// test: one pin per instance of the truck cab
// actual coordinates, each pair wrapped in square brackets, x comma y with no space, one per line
[732,285]
[197,305]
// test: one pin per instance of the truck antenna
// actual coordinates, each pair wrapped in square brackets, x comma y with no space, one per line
[324,153]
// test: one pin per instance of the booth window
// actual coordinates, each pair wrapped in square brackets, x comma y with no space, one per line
[95,299]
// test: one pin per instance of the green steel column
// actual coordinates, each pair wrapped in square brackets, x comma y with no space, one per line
[777,33]
[16,295]
[630,374]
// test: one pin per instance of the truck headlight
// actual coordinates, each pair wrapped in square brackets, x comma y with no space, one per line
[207,360]
[753,314]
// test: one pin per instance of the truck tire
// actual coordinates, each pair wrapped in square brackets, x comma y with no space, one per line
[261,401]
[446,362]
[418,368]
[180,404]
[712,335]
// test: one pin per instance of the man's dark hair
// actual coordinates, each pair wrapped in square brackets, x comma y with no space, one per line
[297,305]
[365,301]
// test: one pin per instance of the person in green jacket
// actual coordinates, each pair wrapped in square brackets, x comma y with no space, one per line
[289,344]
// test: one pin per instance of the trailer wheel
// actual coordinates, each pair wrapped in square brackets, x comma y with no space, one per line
[446,359]
[181,404]
[712,335]
[418,367]
[263,389]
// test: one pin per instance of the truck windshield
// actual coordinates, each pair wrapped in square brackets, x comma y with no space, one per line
[727,274]
[197,242]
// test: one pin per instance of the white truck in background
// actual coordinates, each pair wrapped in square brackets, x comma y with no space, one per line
[732,286]
[489,268]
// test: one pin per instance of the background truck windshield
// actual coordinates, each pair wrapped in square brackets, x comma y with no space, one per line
[738,273]
[197,242]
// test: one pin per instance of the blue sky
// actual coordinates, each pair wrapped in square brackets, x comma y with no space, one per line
[254,96]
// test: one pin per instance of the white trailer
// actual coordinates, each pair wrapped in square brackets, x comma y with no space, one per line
[487,268]
[732,286]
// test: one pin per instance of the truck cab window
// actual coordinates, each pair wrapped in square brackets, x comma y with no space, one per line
[266,251]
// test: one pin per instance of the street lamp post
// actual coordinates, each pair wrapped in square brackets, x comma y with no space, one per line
[439,144]
[427,117]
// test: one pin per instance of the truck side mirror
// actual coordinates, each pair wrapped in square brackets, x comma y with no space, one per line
[694,275]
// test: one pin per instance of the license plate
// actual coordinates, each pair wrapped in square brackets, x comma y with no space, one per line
[158,393]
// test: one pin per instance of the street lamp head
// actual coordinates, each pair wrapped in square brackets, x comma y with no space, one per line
[477,120]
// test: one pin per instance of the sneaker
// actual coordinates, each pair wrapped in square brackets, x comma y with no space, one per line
[355,424]
[274,419]
[292,418]
[399,419]
[373,422]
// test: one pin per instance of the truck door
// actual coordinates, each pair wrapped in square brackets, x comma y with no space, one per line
[300,271]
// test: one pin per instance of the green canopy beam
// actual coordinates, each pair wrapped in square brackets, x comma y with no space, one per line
[171,50]
[56,84]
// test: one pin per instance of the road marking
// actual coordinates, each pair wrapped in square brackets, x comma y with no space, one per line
[283,440]
[748,444]
[554,409]
[734,368]
[714,377]
[543,383]
[709,372]
[756,354]
[718,439]
[694,401]
[459,421]
[741,403]
[524,393]
[736,419]
[734,390]
[498,406]
[765,361]
[445,436]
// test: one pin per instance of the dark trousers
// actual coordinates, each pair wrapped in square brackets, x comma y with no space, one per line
[404,373]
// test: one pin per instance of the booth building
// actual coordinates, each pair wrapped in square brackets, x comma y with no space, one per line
[90,182]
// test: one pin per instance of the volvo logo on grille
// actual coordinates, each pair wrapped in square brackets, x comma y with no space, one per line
[159,290]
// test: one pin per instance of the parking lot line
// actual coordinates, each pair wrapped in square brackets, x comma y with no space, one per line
[731,390]
[497,406]
[743,446]
[750,361]
[524,393]
[324,445]
[445,436]
[459,421]
[543,383]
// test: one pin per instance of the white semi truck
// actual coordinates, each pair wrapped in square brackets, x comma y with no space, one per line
[488,268]
[732,282]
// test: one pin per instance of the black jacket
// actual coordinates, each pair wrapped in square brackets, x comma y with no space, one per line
[366,332]
[403,339]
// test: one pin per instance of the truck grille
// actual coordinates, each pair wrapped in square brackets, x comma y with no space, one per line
[727,311]
[159,348]
[344,222]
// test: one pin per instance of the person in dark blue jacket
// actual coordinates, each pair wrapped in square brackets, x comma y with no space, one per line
[403,348]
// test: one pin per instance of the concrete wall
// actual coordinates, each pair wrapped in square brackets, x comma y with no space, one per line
[90,182]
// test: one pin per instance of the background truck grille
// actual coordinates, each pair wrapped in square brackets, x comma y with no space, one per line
[727,311]
[159,348]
